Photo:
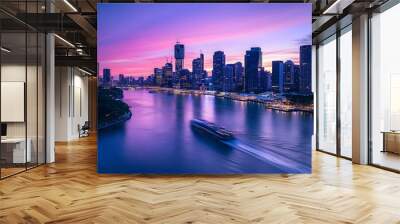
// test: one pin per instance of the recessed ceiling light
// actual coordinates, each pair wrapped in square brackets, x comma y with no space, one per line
[5,50]
[64,40]
[84,71]
[337,7]
[70,5]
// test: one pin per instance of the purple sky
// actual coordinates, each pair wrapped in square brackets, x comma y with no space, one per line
[133,39]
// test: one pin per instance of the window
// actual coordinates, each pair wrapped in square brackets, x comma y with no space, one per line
[346,95]
[326,122]
[385,89]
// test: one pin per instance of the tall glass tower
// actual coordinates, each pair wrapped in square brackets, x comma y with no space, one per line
[218,70]
[252,66]
[305,69]
[179,56]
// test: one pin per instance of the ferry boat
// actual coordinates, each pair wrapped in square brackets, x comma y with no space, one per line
[212,129]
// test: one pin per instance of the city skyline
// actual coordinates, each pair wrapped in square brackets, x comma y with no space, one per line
[127,51]
[252,77]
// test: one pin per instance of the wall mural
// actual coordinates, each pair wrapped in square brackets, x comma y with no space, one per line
[204,88]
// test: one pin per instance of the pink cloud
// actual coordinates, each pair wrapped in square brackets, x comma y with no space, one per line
[146,49]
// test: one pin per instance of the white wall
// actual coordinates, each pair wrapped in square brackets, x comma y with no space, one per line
[12,73]
[17,73]
[71,102]
[33,126]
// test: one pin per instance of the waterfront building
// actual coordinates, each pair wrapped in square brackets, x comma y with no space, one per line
[252,66]
[131,80]
[167,75]
[228,80]
[198,70]
[186,81]
[264,80]
[277,76]
[179,56]
[238,76]
[305,69]
[107,77]
[296,78]
[140,81]
[202,61]
[150,80]
[218,70]
[121,80]
[288,76]
[158,75]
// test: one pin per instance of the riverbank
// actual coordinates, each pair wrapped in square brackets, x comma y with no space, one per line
[112,109]
[116,121]
[269,100]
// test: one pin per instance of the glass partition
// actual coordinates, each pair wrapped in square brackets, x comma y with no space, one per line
[326,122]
[13,94]
[22,88]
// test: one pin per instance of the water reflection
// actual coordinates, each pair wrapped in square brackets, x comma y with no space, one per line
[159,139]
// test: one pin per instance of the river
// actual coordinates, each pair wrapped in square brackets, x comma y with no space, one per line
[158,139]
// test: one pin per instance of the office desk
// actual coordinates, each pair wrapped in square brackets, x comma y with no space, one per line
[391,141]
[13,150]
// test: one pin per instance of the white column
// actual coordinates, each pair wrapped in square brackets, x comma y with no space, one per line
[360,90]
[50,92]
[50,99]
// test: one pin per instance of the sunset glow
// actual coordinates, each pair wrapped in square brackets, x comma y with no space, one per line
[133,39]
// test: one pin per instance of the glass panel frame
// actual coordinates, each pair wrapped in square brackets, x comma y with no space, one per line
[340,117]
[14,72]
[26,56]
[384,151]
[327,96]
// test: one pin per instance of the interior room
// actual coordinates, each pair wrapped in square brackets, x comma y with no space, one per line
[22,99]
[50,78]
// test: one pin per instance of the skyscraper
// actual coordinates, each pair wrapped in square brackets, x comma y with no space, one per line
[288,76]
[140,81]
[296,78]
[265,80]
[121,79]
[277,76]
[196,66]
[202,61]
[218,70]
[198,69]
[167,75]
[238,76]
[106,77]
[185,79]
[158,75]
[252,66]
[305,69]
[228,80]
[179,56]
